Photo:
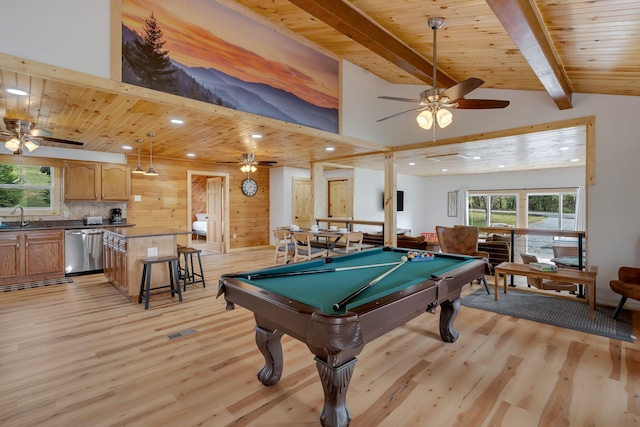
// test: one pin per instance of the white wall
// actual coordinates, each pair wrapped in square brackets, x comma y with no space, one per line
[281,195]
[73,34]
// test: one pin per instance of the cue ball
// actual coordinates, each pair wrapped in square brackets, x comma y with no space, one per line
[404,258]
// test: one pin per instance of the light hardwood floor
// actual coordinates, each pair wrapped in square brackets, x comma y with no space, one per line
[80,355]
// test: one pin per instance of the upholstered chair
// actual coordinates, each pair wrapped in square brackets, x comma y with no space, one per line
[547,285]
[627,285]
[462,240]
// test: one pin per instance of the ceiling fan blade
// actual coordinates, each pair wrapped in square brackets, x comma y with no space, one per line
[61,141]
[39,132]
[461,89]
[393,98]
[266,163]
[402,112]
[478,104]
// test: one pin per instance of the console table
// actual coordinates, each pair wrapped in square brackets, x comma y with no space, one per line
[561,275]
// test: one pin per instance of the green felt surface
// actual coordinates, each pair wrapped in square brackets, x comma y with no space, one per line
[322,290]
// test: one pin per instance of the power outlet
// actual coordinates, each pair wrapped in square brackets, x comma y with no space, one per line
[152,252]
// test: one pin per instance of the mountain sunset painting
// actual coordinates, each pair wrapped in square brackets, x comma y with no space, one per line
[203,50]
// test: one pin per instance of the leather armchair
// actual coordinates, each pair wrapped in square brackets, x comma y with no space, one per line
[462,240]
[627,285]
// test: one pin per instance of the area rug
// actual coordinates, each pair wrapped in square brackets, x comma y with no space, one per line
[39,284]
[555,311]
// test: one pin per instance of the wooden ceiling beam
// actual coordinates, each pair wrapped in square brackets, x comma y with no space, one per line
[523,23]
[354,24]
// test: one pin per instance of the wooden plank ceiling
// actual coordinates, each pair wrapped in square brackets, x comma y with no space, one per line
[584,46]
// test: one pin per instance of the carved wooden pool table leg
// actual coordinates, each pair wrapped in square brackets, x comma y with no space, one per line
[269,344]
[448,312]
[335,382]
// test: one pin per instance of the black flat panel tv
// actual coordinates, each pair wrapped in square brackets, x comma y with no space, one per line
[399,201]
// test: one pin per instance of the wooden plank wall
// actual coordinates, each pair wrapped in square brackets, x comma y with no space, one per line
[165,198]
[165,204]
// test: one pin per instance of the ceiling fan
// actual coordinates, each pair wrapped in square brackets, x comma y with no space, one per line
[249,162]
[23,134]
[433,103]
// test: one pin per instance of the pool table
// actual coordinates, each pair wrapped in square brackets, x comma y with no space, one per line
[286,300]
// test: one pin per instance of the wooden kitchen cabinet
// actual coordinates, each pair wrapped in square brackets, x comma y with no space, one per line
[10,252]
[29,256]
[96,182]
[115,262]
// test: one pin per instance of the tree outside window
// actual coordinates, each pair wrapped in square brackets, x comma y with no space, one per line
[30,186]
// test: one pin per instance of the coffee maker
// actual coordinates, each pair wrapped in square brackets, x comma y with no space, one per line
[116,216]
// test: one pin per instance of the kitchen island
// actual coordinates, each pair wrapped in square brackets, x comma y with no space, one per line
[124,247]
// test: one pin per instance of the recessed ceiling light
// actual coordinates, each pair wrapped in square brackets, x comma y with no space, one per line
[564,148]
[256,136]
[575,160]
[177,121]
[17,92]
[412,164]
[444,170]
[126,147]
[476,157]
[330,148]
[500,166]
[190,155]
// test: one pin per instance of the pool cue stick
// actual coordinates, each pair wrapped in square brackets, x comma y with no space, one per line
[337,306]
[303,272]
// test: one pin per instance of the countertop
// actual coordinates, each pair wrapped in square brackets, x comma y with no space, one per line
[62,224]
[133,232]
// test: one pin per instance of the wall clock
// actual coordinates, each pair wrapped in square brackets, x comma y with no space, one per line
[249,187]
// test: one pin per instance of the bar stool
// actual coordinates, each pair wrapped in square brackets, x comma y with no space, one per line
[145,283]
[188,272]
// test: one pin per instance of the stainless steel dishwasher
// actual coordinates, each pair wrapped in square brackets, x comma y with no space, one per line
[83,251]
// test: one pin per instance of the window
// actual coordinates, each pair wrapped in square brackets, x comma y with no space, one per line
[490,209]
[547,209]
[30,186]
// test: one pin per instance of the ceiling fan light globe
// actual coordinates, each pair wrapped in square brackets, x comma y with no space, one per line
[244,168]
[444,117]
[31,145]
[253,168]
[12,144]
[425,119]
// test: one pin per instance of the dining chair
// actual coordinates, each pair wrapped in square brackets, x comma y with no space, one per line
[462,240]
[353,243]
[303,248]
[285,248]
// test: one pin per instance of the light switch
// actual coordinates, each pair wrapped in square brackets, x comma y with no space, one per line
[137,198]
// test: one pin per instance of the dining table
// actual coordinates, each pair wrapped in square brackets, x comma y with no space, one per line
[326,238]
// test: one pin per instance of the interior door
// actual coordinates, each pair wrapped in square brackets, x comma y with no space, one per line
[339,199]
[301,209]
[215,224]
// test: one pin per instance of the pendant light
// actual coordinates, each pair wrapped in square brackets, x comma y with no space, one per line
[138,168]
[151,172]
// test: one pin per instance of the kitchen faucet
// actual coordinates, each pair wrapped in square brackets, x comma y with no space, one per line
[22,222]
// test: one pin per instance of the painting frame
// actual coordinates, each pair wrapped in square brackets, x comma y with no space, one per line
[452,204]
[271,74]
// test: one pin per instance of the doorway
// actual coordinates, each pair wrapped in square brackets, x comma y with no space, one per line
[339,198]
[208,194]
[302,202]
